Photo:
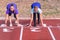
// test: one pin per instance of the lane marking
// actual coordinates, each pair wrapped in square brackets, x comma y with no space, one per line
[28,18]
[58,27]
[21,33]
[51,33]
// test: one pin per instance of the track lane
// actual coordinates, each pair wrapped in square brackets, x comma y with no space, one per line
[13,35]
[56,33]
[42,35]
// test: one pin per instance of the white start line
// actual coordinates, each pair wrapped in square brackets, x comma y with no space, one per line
[49,29]
[21,32]
[51,33]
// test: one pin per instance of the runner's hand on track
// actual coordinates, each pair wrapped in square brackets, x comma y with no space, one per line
[44,25]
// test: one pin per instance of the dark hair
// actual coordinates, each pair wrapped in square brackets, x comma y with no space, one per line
[12,5]
[35,6]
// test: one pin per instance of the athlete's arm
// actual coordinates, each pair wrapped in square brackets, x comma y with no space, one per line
[6,18]
[17,19]
[41,19]
[31,19]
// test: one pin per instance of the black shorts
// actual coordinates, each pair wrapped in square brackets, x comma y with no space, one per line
[11,14]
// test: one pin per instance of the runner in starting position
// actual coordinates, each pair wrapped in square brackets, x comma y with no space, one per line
[36,9]
[12,9]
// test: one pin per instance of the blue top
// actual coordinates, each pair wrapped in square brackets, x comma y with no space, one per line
[9,5]
[36,4]
[8,8]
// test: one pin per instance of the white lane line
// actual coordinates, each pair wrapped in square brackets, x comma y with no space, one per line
[51,33]
[21,33]
[58,27]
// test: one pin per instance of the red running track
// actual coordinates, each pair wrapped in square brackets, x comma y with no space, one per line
[42,34]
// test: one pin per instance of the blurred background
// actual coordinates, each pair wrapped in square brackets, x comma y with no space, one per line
[51,8]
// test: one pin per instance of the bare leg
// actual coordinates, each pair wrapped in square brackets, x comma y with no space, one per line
[10,20]
[17,20]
